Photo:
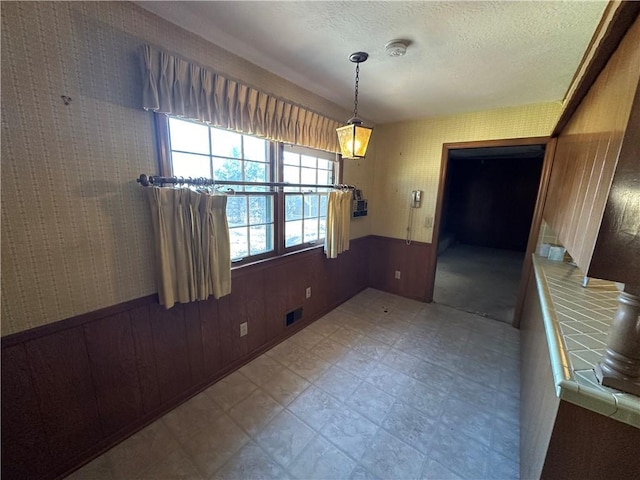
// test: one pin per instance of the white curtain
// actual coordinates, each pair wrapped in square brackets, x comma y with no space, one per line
[175,86]
[191,238]
[339,210]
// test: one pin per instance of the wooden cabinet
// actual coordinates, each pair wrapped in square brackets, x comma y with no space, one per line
[594,192]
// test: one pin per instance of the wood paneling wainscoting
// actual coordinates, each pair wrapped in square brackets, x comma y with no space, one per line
[415,262]
[74,388]
[538,399]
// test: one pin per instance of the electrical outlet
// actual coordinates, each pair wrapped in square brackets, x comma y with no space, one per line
[308,292]
[428,221]
[397,274]
[243,329]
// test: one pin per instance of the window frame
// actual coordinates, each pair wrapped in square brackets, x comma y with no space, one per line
[336,173]
[275,155]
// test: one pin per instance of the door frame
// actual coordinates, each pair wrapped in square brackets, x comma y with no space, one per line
[549,144]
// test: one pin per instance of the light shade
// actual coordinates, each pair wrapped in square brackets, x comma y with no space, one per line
[354,140]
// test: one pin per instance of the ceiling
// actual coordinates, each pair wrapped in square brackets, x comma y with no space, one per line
[463,56]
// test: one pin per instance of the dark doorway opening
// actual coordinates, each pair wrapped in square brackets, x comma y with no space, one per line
[487,209]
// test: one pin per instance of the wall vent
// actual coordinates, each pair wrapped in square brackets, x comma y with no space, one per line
[292,316]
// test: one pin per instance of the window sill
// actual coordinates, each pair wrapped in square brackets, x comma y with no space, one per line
[267,261]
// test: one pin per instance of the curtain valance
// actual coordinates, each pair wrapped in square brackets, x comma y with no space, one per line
[175,86]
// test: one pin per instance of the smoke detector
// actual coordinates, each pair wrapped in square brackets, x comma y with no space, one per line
[396,48]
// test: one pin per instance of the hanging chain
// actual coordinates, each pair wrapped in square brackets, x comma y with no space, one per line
[355,102]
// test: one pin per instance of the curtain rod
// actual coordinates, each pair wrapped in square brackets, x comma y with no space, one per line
[151,180]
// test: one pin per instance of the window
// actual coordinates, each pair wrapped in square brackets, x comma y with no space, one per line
[305,208]
[263,221]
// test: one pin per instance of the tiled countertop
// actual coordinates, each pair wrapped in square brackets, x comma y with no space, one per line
[577,322]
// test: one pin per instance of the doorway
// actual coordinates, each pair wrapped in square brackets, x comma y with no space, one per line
[485,211]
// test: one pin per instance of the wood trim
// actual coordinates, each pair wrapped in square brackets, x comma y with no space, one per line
[48,329]
[600,30]
[616,20]
[506,142]
[527,265]
[287,257]
[444,161]
[435,238]
[277,152]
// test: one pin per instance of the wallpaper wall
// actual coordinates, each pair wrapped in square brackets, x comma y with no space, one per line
[360,173]
[75,230]
[407,156]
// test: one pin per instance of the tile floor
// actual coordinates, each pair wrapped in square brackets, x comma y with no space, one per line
[381,387]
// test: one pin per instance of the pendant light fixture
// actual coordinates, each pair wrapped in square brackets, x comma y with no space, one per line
[354,137]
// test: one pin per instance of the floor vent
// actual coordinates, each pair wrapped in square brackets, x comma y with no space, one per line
[292,316]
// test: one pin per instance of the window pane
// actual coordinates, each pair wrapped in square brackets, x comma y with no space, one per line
[325,177]
[255,148]
[227,169]
[292,207]
[307,161]
[293,233]
[290,158]
[325,164]
[236,211]
[308,175]
[189,136]
[239,243]
[312,170]
[187,165]
[255,172]
[225,143]
[260,210]
[310,230]
[202,151]
[310,206]
[323,205]
[260,239]
[291,175]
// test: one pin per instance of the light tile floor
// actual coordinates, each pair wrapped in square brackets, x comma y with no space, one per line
[381,387]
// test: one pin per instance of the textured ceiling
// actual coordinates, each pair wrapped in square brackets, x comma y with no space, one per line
[464,56]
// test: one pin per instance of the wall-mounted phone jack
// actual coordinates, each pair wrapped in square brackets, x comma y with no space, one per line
[416,198]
